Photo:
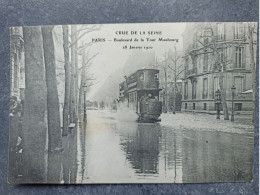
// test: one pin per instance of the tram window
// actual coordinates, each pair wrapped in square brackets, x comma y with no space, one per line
[156,76]
[142,76]
[194,106]
[186,105]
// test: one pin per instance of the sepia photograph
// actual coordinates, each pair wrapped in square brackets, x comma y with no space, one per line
[132,103]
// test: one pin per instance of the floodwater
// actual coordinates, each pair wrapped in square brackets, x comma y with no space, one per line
[120,150]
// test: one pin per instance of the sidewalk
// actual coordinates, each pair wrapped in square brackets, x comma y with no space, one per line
[206,122]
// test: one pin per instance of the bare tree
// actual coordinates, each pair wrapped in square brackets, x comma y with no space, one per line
[35,125]
[85,29]
[252,30]
[85,77]
[164,66]
[211,46]
[66,108]
[76,35]
[54,124]
[72,76]
[177,70]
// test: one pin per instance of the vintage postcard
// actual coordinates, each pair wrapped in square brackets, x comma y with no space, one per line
[132,103]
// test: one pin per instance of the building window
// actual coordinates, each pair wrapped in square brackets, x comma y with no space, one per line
[215,85]
[206,61]
[238,106]
[186,90]
[220,31]
[207,35]
[186,106]
[205,89]
[205,106]
[222,57]
[194,106]
[186,65]
[239,57]
[194,89]
[239,31]
[239,83]
[195,43]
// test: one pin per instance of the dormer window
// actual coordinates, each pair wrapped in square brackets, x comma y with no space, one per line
[239,31]
[220,31]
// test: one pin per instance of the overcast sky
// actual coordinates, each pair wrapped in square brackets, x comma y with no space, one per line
[112,56]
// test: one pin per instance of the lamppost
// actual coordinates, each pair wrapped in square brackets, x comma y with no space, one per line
[233,88]
[218,102]
[84,103]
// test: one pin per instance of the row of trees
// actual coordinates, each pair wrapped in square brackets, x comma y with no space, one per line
[172,63]
[44,146]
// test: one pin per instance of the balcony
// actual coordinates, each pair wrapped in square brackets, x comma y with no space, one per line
[221,37]
[191,72]
[239,36]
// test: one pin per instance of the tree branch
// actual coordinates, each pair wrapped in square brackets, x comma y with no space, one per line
[84,33]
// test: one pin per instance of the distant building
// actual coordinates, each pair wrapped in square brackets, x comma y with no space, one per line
[17,76]
[201,77]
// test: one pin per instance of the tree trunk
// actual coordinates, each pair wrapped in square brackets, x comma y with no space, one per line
[174,96]
[221,82]
[253,66]
[166,92]
[223,96]
[54,124]
[66,108]
[72,78]
[35,126]
[82,82]
[76,74]
[175,84]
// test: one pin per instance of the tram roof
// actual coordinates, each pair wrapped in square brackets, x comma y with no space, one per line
[143,70]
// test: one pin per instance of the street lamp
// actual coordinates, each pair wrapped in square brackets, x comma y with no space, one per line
[218,102]
[233,89]
[84,100]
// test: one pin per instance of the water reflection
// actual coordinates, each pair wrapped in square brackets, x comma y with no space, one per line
[126,151]
[216,157]
[141,144]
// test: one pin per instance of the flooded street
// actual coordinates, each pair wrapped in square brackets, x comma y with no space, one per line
[119,150]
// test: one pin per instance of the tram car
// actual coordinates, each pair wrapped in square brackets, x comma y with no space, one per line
[140,92]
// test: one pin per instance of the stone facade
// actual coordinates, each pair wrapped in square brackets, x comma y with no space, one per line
[201,79]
